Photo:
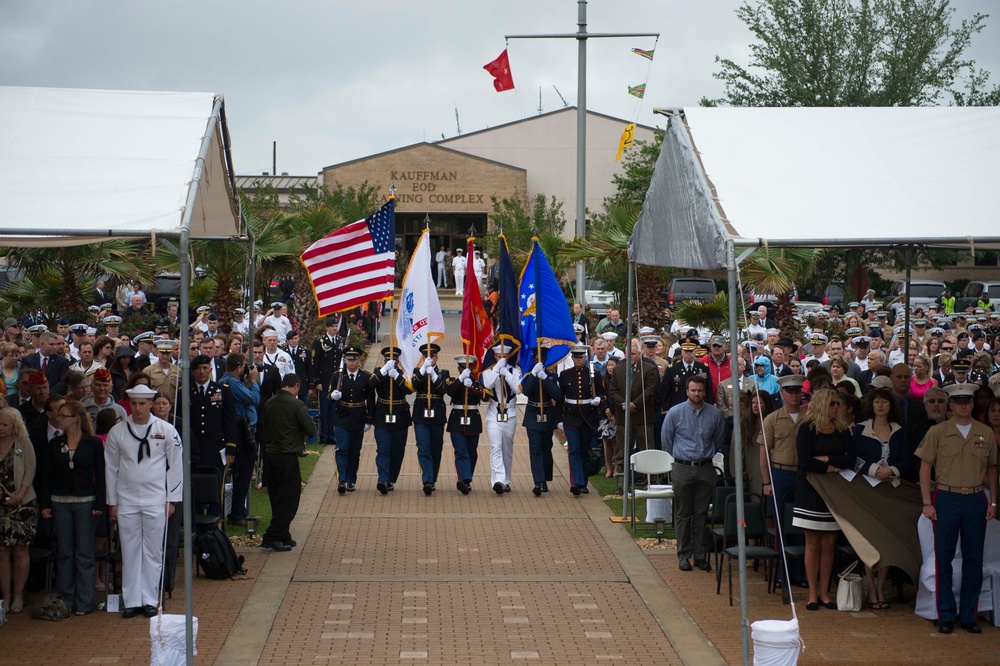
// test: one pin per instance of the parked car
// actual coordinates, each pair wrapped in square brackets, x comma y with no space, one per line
[769,299]
[683,289]
[597,298]
[833,296]
[923,293]
[976,290]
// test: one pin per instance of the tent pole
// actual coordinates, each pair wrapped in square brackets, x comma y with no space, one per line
[629,378]
[908,253]
[737,450]
[185,400]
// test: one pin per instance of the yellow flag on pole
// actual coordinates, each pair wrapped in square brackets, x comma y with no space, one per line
[626,140]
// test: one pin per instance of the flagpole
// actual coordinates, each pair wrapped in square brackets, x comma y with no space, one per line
[392,310]
[538,327]
[581,35]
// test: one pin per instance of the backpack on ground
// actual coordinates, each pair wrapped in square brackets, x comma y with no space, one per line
[216,556]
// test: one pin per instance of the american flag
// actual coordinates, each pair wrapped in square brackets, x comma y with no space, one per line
[354,264]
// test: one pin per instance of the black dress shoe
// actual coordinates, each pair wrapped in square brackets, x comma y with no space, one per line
[813,606]
[276,546]
[972,627]
[350,487]
[703,565]
[545,487]
[585,490]
[341,488]
[428,489]
[292,543]
[463,487]
[537,490]
[382,487]
[685,565]
[506,487]
[434,485]
[832,605]
[498,488]
[131,612]
[575,490]
[946,627]
[149,611]
[392,486]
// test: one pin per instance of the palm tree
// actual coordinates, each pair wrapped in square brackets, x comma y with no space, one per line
[776,272]
[76,268]
[605,249]
[713,314]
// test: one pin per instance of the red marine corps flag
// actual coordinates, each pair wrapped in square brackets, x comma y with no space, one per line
[477,330]
[499,69]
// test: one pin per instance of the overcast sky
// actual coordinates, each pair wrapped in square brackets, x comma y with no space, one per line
[338,80]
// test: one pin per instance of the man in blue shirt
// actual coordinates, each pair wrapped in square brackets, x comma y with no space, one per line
[692,432]
[246,398]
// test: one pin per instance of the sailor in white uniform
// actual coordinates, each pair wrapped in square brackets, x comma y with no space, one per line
[503,380]
[145,474]
[279,358]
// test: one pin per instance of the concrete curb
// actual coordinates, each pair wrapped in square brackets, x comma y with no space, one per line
[252,627]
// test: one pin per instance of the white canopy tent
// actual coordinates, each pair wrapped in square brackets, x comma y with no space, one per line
[730,178]
[80,166]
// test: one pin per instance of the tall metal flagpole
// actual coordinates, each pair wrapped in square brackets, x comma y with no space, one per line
[581,35]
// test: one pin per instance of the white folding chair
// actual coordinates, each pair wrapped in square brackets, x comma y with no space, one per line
[650,462]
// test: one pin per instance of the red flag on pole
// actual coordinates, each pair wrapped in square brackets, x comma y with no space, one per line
[499,69]
[477,329]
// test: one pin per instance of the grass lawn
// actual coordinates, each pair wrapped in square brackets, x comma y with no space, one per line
[259,504]
[606,488]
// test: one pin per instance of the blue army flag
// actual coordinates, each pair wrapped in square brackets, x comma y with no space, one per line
[545,315]
[508,327]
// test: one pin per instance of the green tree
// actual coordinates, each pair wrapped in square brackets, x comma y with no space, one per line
[605,250]
[544,220]
[775,272]
[59,279]
[855,53]
[638,164]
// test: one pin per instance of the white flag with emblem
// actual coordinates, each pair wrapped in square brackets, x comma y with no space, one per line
[419,320]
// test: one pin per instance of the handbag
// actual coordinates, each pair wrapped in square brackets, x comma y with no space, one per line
[849,594]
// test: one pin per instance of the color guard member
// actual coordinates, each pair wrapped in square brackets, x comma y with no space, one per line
[465,423]
[392,418]
[582,394]
[503,381]
[355,411]
[429,416]
[541,415]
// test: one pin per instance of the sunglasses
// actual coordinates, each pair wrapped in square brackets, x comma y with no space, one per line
[835,403]
[936,401]
[943,348]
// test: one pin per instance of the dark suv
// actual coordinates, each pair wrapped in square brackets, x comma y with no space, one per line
[974,291]
[683,289]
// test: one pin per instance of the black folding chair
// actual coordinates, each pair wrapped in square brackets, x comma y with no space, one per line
[753,515]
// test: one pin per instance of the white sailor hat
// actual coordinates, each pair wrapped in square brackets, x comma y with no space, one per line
[646,330]
[202,309]
[610,336]
[141,391]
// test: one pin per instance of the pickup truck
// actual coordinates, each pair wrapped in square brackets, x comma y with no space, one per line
[974,291]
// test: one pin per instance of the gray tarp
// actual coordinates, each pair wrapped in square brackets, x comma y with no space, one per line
[679,225]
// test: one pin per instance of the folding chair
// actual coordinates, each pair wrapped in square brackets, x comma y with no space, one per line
[43,550]
[753,514]
[651,462]
[793,552]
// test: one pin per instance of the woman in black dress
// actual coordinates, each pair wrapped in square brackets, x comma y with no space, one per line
[824,446]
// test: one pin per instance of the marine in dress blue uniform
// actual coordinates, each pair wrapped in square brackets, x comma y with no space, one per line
[353,416]
[541,415]
[963,452]
[582,394]
[429,415]
[465,424]
[392,418]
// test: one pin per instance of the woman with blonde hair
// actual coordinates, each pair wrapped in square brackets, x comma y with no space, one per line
[10,354]
[824,445]
[18,507]
[71,491]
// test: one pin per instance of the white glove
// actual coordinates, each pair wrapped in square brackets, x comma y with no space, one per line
[393,372]
[502,363]
[336,395]
[368,426]
[426,364]
[467,382]
[465,374]
[433,373]
[387,368]
[538,371]
[596,401]
[505,371]
[559,425]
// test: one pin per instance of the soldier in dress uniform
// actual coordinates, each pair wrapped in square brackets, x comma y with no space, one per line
[962,452]
[300,361]
[503,381]
[465,423]
[145,474]
[541,415]
[673,389]
[429,416]
[327,352]
[353,416]
[582,394]
[392,418]
[213,418]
